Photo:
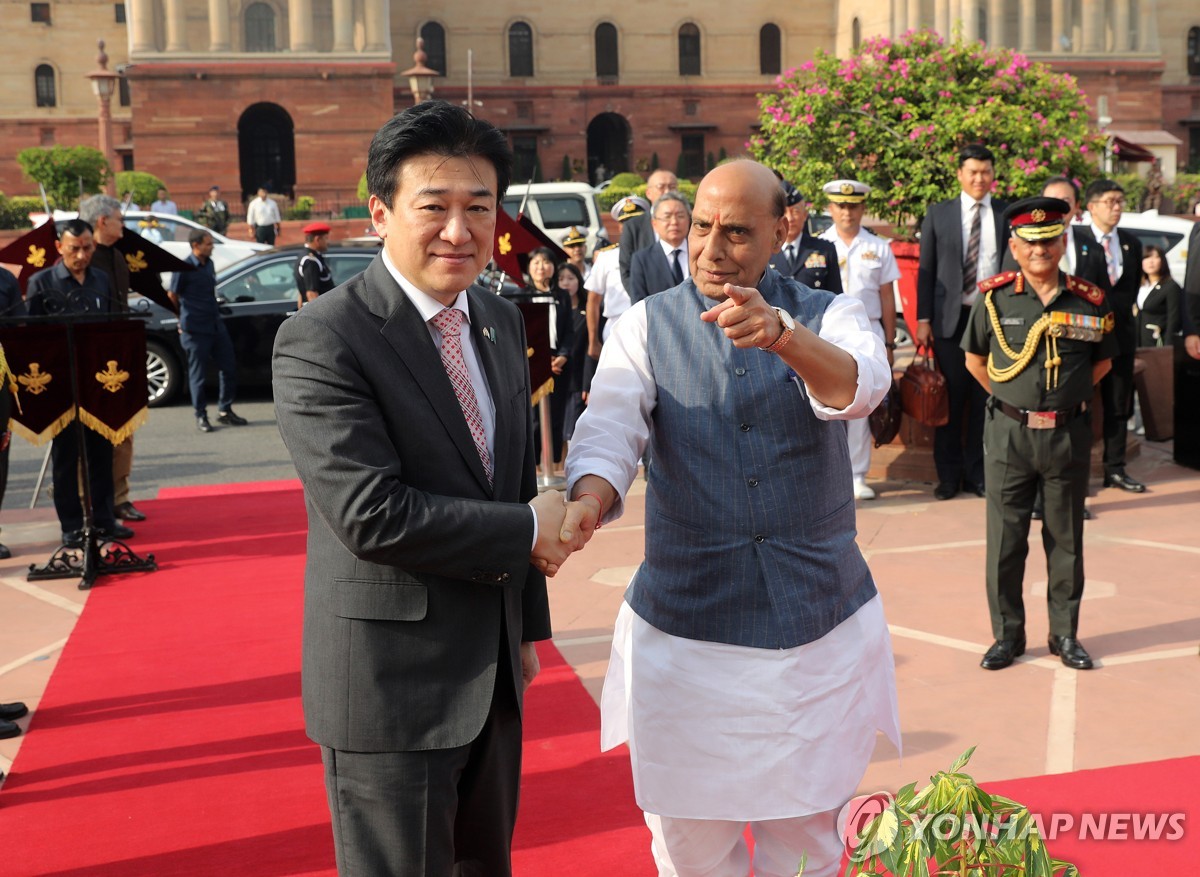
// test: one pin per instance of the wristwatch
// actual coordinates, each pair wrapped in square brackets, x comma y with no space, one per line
[788,325]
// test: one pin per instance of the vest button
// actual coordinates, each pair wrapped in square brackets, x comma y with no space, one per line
[760,539]
[817,284]
[753,482]
[745,427]
[739,371]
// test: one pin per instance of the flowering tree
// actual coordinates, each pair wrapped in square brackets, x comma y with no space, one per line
[895,115]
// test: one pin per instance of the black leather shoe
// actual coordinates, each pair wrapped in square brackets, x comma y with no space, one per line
[203,425]
[126,512]
[72,538]
[116,531]
[228,418]
[5,553]
[1072,652]
[1002,653]
[9,729]
[945,490]
[975,489]
[10,712]
[1037,514]
[1087,513]
[1123,481]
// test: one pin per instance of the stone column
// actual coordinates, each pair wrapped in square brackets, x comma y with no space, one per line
[300,25]
[995,20]
[378,21]
[1121,25]
[1059,25]
[1148,26]
[970,16]
[343,25]
[141,25]
[941,18]
[176,26]
[1028,38]
[1093,26]
[218,26]
[914,14]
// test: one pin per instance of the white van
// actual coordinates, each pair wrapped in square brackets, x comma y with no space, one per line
[555,207]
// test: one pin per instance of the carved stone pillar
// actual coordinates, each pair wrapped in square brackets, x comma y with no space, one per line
[1059,26]
[1121,24]
[1093,26]
[1028,38]
[218,26]
[141,24]
[970,17]
[378,26]
[343,25]
[176,26]
[1148,27]
[300,25]
[914,15]
[995,21]
[941,18]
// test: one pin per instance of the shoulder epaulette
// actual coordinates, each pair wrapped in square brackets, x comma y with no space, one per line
[606,249]
[997,281]
[1085,289]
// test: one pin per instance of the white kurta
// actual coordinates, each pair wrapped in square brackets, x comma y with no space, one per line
[729,732]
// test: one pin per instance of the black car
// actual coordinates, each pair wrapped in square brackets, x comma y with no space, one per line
[256,295]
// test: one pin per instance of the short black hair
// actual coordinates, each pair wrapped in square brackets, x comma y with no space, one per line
[76,228]
[580,298]
[976,151]
[434,127]
[197,235]
[1059,180]
[546,253]
[1099,187]
[1154,249]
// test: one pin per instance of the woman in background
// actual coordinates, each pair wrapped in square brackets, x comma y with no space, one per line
[569,281]
[1159,301]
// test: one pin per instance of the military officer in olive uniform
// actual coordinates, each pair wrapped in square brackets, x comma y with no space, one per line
[804,258]
[1038,340]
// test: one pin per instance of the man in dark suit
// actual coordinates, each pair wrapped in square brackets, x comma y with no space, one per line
[961,244]
[1191,296]
[1111,258]
[403,397]
[664,263]
[804,258]
[637,233]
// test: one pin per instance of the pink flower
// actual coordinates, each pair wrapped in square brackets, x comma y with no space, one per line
[904,117]
[899,101]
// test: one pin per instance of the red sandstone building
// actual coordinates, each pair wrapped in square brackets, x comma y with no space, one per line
[288,92]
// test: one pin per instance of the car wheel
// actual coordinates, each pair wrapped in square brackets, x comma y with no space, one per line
[164,374]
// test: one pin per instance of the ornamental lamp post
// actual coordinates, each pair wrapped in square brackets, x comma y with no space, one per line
[420,77]
[104,82]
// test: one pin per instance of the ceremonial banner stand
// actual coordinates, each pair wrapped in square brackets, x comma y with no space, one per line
[536,311]
[43,337]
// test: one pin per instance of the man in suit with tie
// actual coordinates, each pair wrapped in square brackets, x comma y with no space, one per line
[637,233]
[961,243]
[1111,258]
[804,258]
[403,397]
[663,265]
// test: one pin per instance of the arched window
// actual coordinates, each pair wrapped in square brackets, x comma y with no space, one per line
[689,50]
[769,51]
[856,33]
[434,36]
[520,50]
[43,81]
[607,66]
[260,28]
[1193,52]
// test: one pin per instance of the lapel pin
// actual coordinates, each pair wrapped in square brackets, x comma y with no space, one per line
[490,334]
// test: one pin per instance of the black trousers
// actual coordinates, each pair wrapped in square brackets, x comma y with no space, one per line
[64,464]
[1116,391]
[264,234]
[436,813]
[958,446]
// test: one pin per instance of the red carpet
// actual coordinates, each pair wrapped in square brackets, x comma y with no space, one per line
[170,739]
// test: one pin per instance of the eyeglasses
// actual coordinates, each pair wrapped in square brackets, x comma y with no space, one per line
[672,217]
[1110,202]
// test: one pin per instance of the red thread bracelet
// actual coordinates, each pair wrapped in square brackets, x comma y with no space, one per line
[599,502]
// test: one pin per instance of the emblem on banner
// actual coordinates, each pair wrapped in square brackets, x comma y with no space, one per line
[137,261]
[505,243]
[35,381]
[113,379]
[37,256]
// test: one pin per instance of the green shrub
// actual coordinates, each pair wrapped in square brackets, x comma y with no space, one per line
[566,168]
[1184,192]
[66,172]
[302,209]
[143,185]
[363,192]
[627,180]
[614,193]
[1135,189]
[14,212]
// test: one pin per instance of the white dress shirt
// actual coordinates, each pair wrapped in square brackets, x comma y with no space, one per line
[262,211]
[167,206]
[867,263]
[1114,245]
[989,256]
[605,280]
[683,255]
[769,734]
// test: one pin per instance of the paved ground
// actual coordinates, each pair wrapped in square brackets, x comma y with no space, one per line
[1141,614]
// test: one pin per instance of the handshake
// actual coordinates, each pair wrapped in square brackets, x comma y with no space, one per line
[563,527]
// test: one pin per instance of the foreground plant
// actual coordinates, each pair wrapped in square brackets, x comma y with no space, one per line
[953,827]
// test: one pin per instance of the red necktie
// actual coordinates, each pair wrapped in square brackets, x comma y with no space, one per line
[449,323]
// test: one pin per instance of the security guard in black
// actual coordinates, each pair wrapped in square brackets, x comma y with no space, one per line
[1037,340]
[313,275]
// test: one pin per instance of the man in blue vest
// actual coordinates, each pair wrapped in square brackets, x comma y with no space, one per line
[751,664]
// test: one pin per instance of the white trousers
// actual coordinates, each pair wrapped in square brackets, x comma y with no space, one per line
[858,435]
[716,848]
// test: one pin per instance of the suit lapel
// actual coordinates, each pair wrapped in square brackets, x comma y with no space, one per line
[486,345]
[409,337]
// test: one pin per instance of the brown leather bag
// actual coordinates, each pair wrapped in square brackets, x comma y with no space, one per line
[923,393]
[884,421]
